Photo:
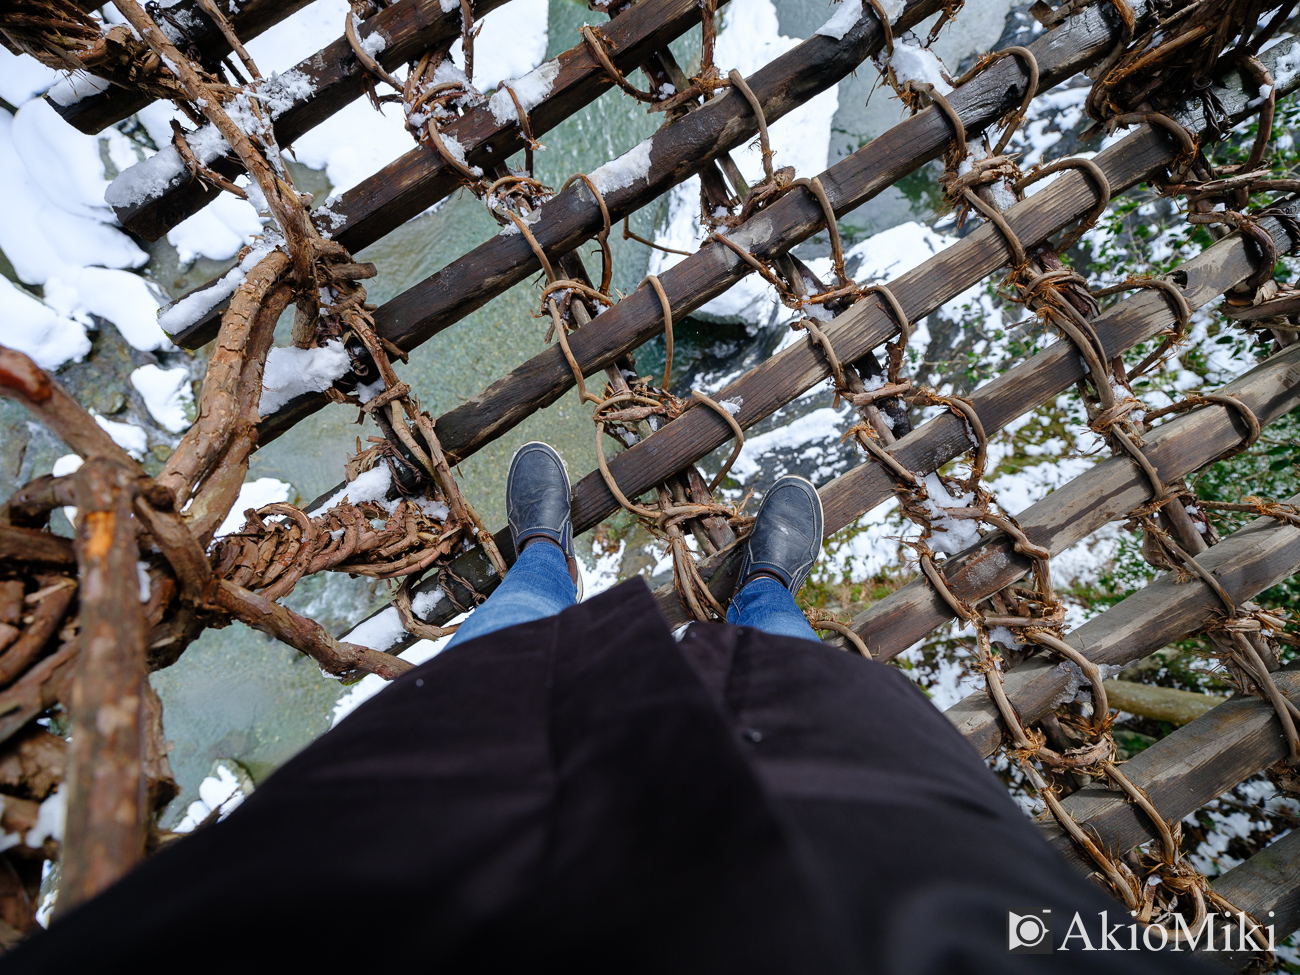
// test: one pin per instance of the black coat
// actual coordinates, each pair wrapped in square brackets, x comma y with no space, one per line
[583,793]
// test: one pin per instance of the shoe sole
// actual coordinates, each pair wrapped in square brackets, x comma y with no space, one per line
[564,467]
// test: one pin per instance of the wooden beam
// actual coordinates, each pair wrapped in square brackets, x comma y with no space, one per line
[1160,703]
[334,77]
[1267,886]
[1181,773]
[96,112]
[1063,518]
[1245,563]
[679,150]
[29,545]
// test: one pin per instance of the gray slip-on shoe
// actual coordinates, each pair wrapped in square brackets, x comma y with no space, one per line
[787,534]
[538,499]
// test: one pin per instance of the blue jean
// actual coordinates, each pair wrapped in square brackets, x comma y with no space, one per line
[767,605]
[538,585]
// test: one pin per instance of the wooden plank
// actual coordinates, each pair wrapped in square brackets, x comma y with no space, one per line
[679,150]
[96,112]
[419,178]
[1021,388]
[1267,886]
[1159,703]
[1181,772]
[1068,515]
[1246,562]
[336,78]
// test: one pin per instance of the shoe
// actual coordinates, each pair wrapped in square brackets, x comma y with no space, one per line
[787,534]
[538,499]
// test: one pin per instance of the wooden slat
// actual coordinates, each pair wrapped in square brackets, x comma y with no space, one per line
[1102,494]
[679,150]
[1182,772]
[419,178]
[1267,886]
[1068,515]
[96,112]
[1245,563]
[336,77]
[1084,38]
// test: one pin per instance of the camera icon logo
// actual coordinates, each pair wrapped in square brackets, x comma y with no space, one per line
[1029,934]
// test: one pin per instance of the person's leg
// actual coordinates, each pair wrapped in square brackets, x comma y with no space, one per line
[780,552]
[543,579]
[766,605]
[537,585]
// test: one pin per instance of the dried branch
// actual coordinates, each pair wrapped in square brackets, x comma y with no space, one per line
[106,808]
[344,660]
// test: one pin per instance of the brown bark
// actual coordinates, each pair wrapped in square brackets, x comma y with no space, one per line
[33,763]
[11,601]
[46,617]
[38,690]
[17,912]
[301,237]
[28,545]
[107,813]
[94,113]
[345,660]
[219,413]
[1245,563]
[420,177]
[160,785]
[1033,381]
[336,77]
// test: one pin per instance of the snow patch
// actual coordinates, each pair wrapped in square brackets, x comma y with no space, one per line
[913,62]
[371,485]
[221,793]
[166,393]
[291,371]
[216,232]
[253,494]
[821,426]
[380,632]
[372,684]
[951,535]
[847,13]
[51,817]
[128,436]
[625,170]
[73,87]
[531,90]
[35,329]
